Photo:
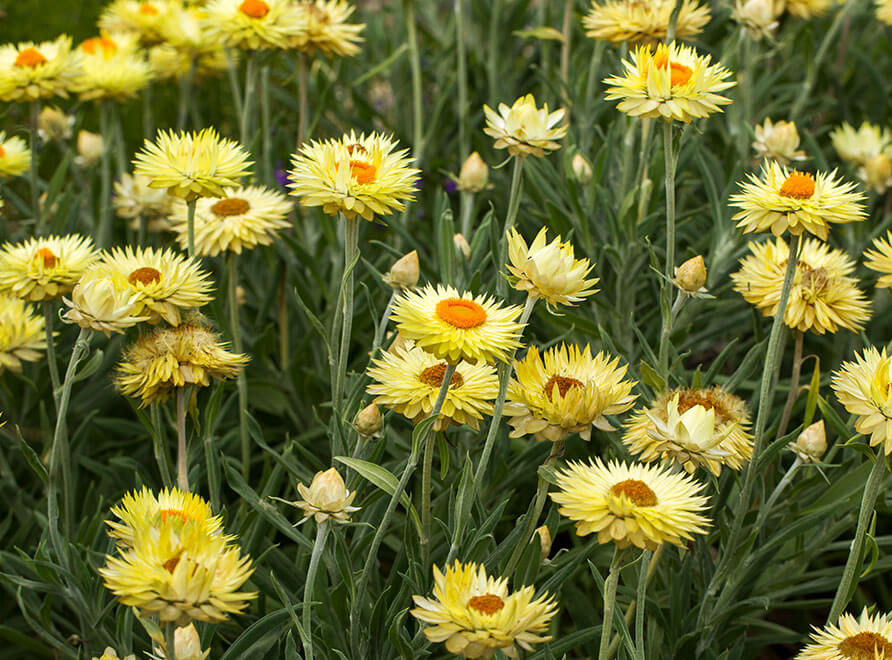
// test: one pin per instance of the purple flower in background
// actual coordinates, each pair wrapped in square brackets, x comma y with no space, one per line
[282,175]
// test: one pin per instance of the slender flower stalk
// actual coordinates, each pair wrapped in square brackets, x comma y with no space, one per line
[671,159]
[643,575]
[464,144]
[853,563]
[652,563]
[249,100]
[417,92]
[170,652]
[48,310]
[34,139]
[766,508]
[302,81]
[241,381]
[510,218]
[103,231]
[321,534]
[798,337]
[609,603]
[351,254]
[426,467]
[182,452]
[190,226]
[159,445]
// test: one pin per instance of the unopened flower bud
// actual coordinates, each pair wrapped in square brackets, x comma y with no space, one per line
[582,170]
[405,272]
[544,540]
[53,124]
[90,147]
[461,244]
[811,443]
[691,275]
[474,174]
[760,17]
[110,654]
[187,645]
[368,421]
[778,141]
[327,497]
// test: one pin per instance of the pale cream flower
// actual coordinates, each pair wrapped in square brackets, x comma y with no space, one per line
[97,304]
[811,443]
[778,141]
[90,147]
[327,498]
[525,129]
[404,273]
[474,174]
[759,17]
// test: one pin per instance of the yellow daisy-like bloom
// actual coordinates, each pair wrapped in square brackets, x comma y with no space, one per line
[111,68]
[455,326]
[692,427]
[192,165]
[327,498]
[808,8]
[568,391]
[864,638]
[96,303]
[15,156]
[884,11]
[549,271]
[134,198]
[165,282]
[880,260]
[355,175]
[180,572]
[188,354]
[255,24]
[782,200]
[631,504]
[110,654]
[327,29]
[142,510]
[22,334]
[859,146]
[864,388]
[778,141]
[673,82]
[31,71]
[524,129]
[634,22]
[243,219]
[824,295]
[409,380]
[760,17]
[188,47]
[45,267]
[476,615]
[143,19]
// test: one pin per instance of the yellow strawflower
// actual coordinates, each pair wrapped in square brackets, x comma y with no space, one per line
[110,654]
[693,428]
[22,334]
[356,175]
[454,326]
[240,220]
[15,156]
[135,198]
[327,29]
[476,615]
[864,638]
[880,259]
[254,24]
[166,283]
[524,129]
[142,19]
[111,68]
[168,358]
[870,149]
[884,11]
[778,141]
[864,388]
[672,82]
[631,504]
[633,22]
[824,296]
[327,498]
[45,267]
[31,71]
[96,303]
[408,381]
[549,271]
[188,46]
[782,200]
[566,390]
[760,17]
[192,165]
[808,8]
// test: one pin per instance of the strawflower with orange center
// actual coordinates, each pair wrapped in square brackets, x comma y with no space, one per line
[476,615]
[15,156]
[111,68]
[141,21]
[863,638]
[254,8]
[454,326]
[254,24]
[45,267]
[327,28]
[31,71]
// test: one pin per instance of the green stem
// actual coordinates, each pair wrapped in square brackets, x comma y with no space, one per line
[464,143]
[510,219]
[301,99]
[241,381]
[170,647]
[284,349]
[793,394]
[467,210]
[654,561]
[250,98]
[351,252]
[494,52]
[148,117]
[853,564]
[609,603]
[772,361]
[666,334]
[565,46]
[309,586]
[185,96]
[505,371]
[103,234]
[426,468]
[766,508]
[382,324]
[266,127]
[671,160]
[34,139]
[190,226]
[234,88]
[158,446]
[643,575]
[182,451]
[372,556]
[417,98]
[59,465]
[535,510]
[48,309]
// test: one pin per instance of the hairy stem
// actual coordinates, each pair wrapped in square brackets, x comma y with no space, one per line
[182,451]
[309,586]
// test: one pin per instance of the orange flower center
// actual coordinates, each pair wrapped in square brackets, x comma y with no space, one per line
[171,564]
[29,57]
[145,276]
[687,399]
[433,376]
[799,185]
[174,513]
[2,151]
[461,313]
[230,206]
[108,46]
[254,8]
[148,9]
[47,257]
[637,491]
[865,646]
[563,384]
[486,604]
[679,74]
[362,171]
